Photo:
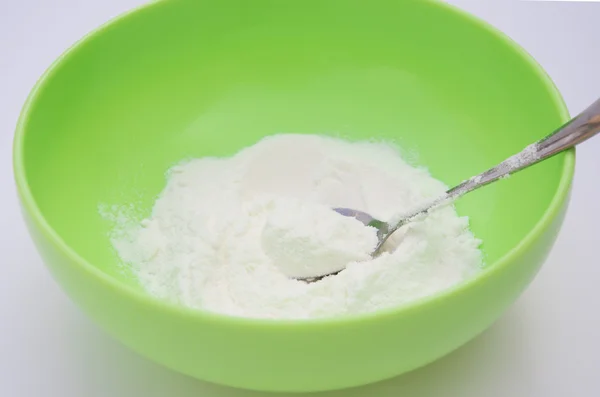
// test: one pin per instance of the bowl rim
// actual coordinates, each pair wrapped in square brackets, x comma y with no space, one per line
[29,204]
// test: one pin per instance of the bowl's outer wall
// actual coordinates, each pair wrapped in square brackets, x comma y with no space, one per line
[122,106]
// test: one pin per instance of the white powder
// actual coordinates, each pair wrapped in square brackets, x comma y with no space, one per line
[226,235]
[527,155]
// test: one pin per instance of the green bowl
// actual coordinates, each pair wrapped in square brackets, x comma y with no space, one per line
[175,79]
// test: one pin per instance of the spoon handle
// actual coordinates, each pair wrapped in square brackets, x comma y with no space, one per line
[579,129]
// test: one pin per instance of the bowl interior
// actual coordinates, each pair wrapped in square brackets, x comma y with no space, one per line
[182,79]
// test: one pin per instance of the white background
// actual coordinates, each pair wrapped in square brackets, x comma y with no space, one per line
[547,345]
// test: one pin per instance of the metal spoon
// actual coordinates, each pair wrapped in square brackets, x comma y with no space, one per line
[579,129]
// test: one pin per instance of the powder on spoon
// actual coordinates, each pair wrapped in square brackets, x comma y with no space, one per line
[229,235]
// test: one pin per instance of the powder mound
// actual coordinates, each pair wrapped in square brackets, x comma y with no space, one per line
[230,235]
[307,240]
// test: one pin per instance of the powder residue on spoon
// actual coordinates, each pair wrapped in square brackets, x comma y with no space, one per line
[229,235]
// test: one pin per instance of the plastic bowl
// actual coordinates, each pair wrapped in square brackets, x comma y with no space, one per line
[175,79]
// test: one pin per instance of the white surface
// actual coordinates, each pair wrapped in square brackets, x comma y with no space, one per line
[546,346]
